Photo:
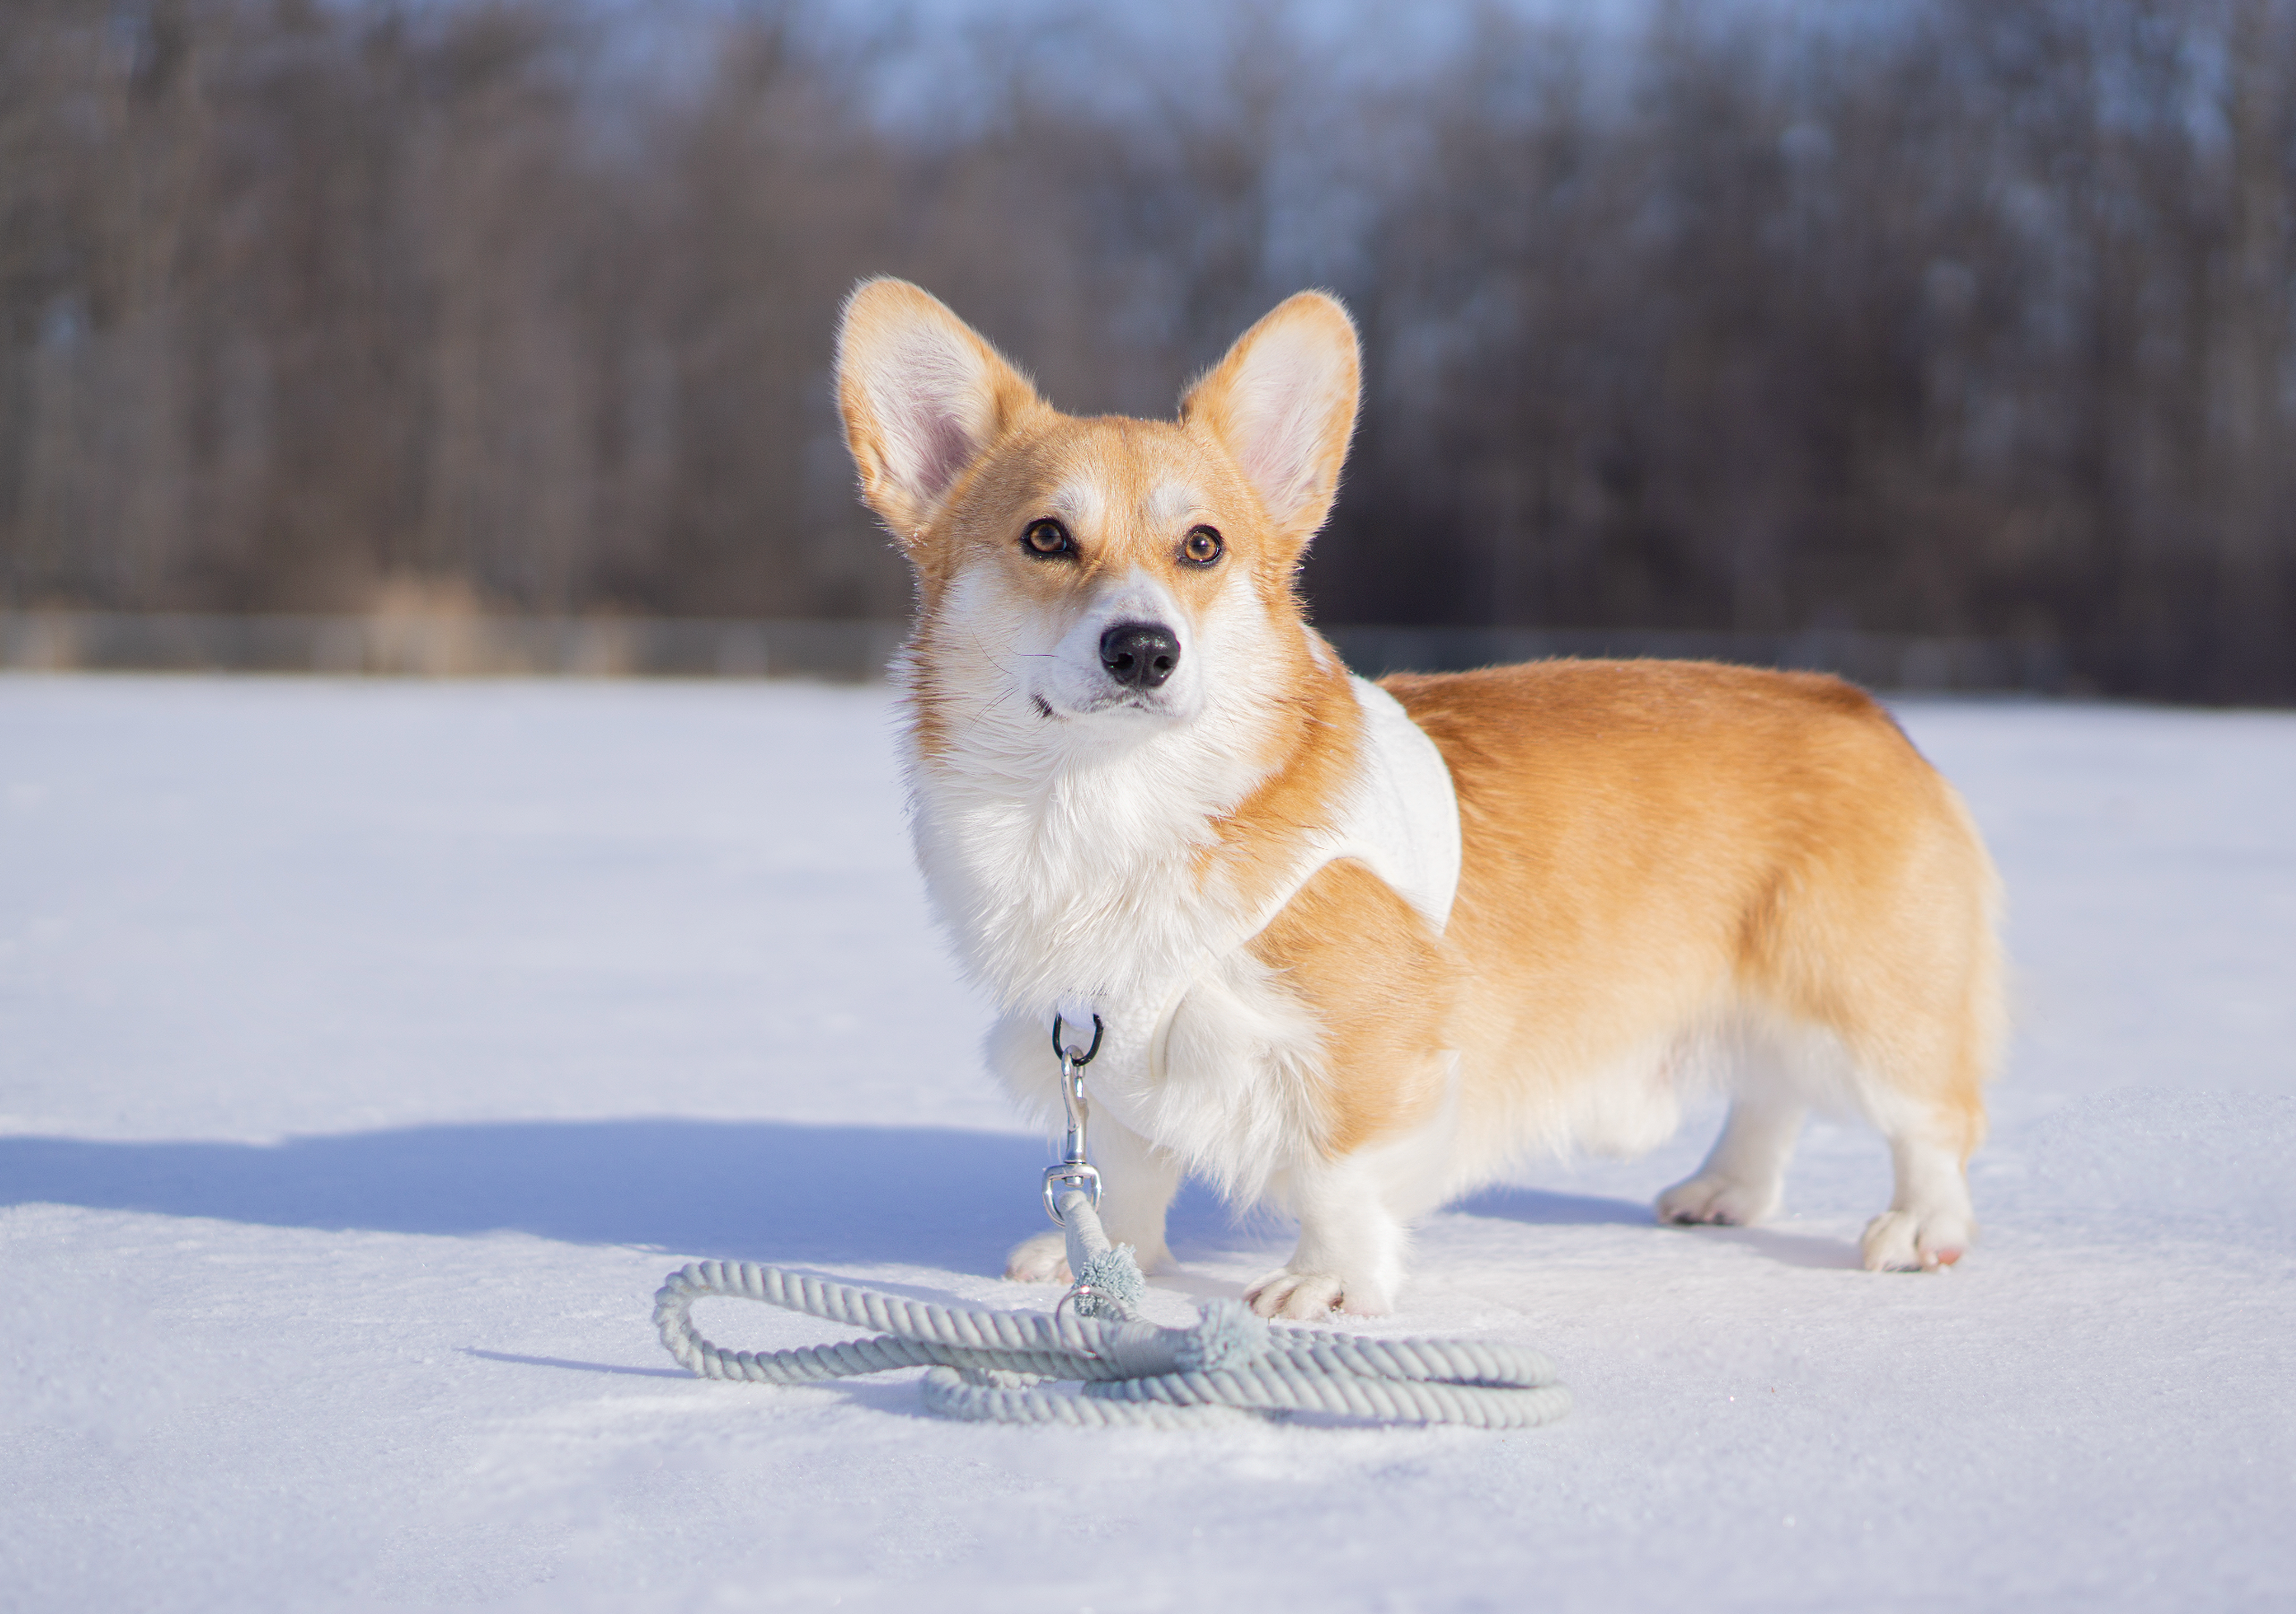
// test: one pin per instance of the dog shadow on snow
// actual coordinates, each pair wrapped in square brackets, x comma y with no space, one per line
[734,1190]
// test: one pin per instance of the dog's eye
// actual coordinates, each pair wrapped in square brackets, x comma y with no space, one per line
[1047,537]
[1203,546]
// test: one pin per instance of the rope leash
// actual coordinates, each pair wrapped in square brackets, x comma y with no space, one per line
[997,1367]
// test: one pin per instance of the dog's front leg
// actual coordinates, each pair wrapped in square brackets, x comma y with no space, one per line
[1137,1182]
[1351,1245]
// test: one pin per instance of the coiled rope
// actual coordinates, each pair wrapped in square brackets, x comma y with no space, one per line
[1000,1366]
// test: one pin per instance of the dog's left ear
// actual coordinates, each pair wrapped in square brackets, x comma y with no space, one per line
[1283,402]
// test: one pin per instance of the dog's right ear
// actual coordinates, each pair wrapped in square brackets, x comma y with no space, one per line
[922,396]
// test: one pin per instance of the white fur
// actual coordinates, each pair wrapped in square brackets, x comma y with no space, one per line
[1402,816]
[1061,852]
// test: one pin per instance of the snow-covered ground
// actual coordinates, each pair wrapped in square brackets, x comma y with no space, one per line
[370,1051]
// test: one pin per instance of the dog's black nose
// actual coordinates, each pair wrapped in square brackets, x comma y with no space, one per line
[1140,654]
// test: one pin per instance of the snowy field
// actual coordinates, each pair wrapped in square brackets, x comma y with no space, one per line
[368,1052]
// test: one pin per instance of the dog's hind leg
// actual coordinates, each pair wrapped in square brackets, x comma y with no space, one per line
[1137,1183]
[1923,1090]
[1929,1222]
[1904,963]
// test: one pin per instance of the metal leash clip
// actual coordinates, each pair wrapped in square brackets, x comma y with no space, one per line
[1074,1174]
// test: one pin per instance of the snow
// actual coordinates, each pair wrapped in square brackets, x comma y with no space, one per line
[368,1052]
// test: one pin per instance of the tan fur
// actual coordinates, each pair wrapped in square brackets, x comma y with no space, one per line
[1646,844]
[1383,986]
[1647,841]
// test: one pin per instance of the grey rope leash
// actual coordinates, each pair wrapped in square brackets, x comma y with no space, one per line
[995,1366]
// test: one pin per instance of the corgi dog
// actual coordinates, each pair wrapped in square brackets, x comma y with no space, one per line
[1355,950]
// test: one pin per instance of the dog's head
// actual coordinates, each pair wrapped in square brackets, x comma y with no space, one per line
[1109,575]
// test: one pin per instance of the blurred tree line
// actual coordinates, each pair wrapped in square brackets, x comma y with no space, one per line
[1964,317]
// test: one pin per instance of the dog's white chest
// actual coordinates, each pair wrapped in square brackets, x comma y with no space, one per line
[1203,1050]
[1399,816]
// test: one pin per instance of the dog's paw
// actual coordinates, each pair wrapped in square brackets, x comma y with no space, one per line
[1308,1295]
[1914,1241]
[1041,1258]
[1717,1200]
